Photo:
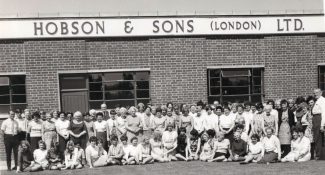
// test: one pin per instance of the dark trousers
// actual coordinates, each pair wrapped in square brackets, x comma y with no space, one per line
[11,144]
[22,136]
[317,118]
[34,143]
[285,150]
[312,151]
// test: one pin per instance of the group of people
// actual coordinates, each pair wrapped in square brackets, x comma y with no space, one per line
[276,131]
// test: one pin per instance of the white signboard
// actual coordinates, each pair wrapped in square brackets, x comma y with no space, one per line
[119,27]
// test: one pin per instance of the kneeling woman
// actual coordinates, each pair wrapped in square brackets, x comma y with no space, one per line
[40,162]
[96,156]
[300,147]
[169,140]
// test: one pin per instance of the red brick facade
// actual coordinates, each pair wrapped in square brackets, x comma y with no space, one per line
[178,66]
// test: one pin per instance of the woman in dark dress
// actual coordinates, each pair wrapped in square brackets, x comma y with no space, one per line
[181,153]
[78,130]
[25,156]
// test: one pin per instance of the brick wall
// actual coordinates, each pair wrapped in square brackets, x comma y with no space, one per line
[178,65]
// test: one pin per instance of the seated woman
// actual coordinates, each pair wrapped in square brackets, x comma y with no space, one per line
[207,153]
[134,155]
[115,152]
[71,156]
[157,152]
[25,157]
[40,162]
[96,156]
[271,147]
[181,150]
[255,148]
[81,158]
[300,147]
[238,148]
[193,145]
[222,148]
[146,151]
[53,157]
[169,141]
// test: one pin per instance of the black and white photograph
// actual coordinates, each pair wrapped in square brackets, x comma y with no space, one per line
[162,87]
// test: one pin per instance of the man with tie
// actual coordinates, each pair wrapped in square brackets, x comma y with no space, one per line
[9,129]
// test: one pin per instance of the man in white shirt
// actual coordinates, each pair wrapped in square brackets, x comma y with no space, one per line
[318,111]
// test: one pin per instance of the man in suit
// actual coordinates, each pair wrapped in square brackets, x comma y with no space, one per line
[105,111]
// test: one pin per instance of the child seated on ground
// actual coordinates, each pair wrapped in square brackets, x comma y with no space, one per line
[40,162]
[255,148]
[238,148]
[222,147]
[115,152]
[53,157]
[146,151]
[193,145]
[207,153]
[181,150]
[71,156]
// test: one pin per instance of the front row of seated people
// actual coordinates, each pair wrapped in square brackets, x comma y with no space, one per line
[165,147]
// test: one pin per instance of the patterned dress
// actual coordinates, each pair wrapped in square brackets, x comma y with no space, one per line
[258,124]
[49,135]
[309,129]
[284,130]
[269,122]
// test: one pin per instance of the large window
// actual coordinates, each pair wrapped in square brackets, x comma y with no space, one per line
[235,85]
[321,77]
[112,88]
[12,93]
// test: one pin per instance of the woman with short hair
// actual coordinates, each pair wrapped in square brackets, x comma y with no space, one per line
[159,122]
[133,123]
[78,130]
[101,129]
[227,123]
[257,123]
[157,152]
[25,157]
[186,121]
[62,128]
[35,131]
[40,162]
[169,141]
[49,134]
[95,155]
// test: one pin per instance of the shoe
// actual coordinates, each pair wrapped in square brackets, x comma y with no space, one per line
[14,168]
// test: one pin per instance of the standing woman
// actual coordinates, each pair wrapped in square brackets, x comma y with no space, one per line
[227,123]
[286,121]
[270,120]
[121,123]
[62,126]
[257,124]
[35,131]
[159,122]
[309,129]
[49,135]
[147,120]
[78,130]
[134,124]
[101,129]
[186,121]
[89,125]
[55,115]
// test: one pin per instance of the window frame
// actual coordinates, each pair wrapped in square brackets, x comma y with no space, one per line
[321,66]
[251,83]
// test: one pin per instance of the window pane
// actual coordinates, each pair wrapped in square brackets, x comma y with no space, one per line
[235,81]
[95,77]
[235,72]
[322,69]
[19,98]
[118,76]
[73,83]
[142,76]
[212,99]
[257,80]
[257,72]
[215,82]
[4,81]
[257,89]
[322,86]
[4,109]
[4,90]
[96,95]
[119,95]
[5,99]
[142,84]
[256,98]
[119,85]
[321,78]
[19,106]
[95,86]
[95,104]
[124,103]
[215,73]
[234,90]
[235,99]
[17,79]
[144,101]
[142,93]
[215,91]
[18,89]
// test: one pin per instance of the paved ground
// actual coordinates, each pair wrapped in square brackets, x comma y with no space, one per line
[197,168]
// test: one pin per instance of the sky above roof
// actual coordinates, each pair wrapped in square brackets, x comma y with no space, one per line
[142,6]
